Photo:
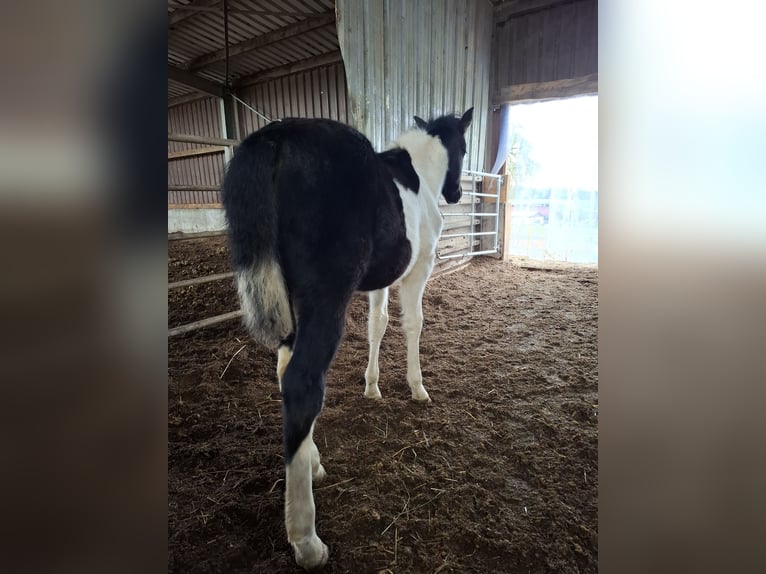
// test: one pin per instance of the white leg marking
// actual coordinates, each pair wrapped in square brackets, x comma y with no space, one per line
[411,295]
[300,512]
[317,470]
[376,328]
[284,354]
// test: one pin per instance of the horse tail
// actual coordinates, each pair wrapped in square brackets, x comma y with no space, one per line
[249,195]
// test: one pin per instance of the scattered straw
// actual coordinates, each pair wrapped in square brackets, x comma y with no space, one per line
[396,542]
[273,486]
[401,450]
[230,360]
[336,484]
[406,504]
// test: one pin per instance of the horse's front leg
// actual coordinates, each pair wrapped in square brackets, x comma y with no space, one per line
[376,328]
[411,294]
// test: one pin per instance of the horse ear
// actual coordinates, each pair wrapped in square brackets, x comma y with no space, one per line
[465,121]
[420,123]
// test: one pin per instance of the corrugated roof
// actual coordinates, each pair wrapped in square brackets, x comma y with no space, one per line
[196,30]
[176,89]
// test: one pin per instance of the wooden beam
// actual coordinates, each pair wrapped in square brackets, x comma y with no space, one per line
[311,23]
[540,91]
[193,81]
[182,236]
[196,206]
[255,11]
[196,151]
[187,99]
[230,120]
[186,138]
[181,13]
[519,8]
[293,68]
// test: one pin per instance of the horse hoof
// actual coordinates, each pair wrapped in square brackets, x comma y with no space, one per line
[311,554]
[421,397]
[373,394]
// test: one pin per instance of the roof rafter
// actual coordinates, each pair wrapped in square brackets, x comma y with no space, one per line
[198,83]
[289,31]
[519,8]
[325,59]
[181,13]
[203,7]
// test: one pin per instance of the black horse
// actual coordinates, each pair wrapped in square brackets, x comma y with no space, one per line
[314,215]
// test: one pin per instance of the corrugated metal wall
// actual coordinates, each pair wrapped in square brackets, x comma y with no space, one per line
[320,92]
[556,43]
[317,93]
[202,118]
[425,58]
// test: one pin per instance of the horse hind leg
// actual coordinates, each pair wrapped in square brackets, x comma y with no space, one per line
[317,339]
[300,511]
[284,354]
[318,472]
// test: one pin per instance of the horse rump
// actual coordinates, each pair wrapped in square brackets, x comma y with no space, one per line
[249,201]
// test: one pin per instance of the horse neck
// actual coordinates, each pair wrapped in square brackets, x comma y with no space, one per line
[429,158]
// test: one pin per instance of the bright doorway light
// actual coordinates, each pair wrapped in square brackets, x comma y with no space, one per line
[553,170]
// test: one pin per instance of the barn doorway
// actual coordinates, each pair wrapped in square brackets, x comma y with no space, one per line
[553,171]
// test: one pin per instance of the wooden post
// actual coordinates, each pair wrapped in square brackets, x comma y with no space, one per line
[231,117]
[506,197]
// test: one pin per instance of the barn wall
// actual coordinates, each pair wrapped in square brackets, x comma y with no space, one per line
[317,93]
[320,92]
[425,58]
[553,43]
[202,118]
[189,221]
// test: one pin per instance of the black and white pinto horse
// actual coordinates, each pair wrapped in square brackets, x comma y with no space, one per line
[314,215]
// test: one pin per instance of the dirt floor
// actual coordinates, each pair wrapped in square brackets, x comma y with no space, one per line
[498,474]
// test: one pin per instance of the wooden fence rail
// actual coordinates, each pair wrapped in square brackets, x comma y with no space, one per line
[186,138]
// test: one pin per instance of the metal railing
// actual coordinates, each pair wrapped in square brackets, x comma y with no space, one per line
[495,181]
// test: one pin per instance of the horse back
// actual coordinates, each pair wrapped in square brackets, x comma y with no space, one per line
[340,219]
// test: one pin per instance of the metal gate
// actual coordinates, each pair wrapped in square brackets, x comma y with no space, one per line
[491,185]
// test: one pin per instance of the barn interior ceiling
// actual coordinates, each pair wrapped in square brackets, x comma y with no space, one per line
[267,38]
[264,38]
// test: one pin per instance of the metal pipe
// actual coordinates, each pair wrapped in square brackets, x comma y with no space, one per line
[465,254]
[498,185]
[200,280]
[493,179]
[252,109]
[473,213]
[483,174]
[203,323]
[468,234]
[466,215]
[482,194]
